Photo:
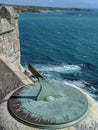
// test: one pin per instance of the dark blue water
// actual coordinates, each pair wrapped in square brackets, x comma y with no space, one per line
[63,46]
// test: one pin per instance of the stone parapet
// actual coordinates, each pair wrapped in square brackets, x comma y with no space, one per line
[8,16]
[10,77]
[9,35]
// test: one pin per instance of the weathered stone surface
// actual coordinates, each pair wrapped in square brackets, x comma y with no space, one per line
[9,36]
[9,13]
[10,77]
[5,26]
[11,71]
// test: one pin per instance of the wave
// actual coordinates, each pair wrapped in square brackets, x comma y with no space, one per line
[82,84]
[53,73]
[87,66]
[59,69]
[85,86]
[56,72]
[80,14]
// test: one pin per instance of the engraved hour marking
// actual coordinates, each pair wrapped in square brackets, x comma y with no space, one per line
[38,119]
[19,110]
[14,105]
[26,115]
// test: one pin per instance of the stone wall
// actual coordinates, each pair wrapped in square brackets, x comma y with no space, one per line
[9,36]
[10,77]
[11,71]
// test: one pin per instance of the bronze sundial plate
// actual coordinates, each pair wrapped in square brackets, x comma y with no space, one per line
[69,109]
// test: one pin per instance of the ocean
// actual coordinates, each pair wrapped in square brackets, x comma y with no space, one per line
[62,46]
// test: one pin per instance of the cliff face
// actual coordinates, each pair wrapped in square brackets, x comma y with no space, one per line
[9,37]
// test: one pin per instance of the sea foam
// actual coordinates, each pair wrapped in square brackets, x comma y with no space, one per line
[59,69]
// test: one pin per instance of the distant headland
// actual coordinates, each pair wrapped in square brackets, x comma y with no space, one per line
[38,9]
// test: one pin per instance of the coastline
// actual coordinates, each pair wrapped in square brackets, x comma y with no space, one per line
[38,9]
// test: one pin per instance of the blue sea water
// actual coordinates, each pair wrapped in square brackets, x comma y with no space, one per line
[63,46]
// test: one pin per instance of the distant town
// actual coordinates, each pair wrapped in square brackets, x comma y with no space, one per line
[37,9]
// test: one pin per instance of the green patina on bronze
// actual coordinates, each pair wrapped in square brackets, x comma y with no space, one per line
[47,90]
[48,105]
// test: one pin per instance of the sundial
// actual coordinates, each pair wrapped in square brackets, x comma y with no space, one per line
[48,105]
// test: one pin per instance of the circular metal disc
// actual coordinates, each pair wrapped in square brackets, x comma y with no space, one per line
[52,112]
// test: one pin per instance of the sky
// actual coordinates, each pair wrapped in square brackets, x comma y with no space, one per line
[55,3]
